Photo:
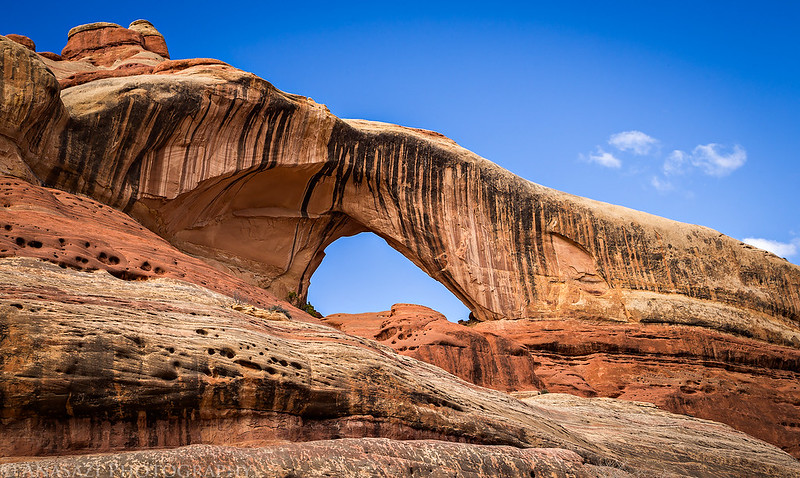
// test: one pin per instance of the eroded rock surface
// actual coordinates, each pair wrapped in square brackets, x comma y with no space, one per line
[94,363]
[208,155]
[90,363]
[751,386]
[82,234]
[636,434]
[485,359]
[346,457]
[258,182]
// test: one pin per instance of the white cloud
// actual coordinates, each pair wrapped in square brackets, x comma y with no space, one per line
[711,158]
[634,141]
[604,158]
[782,249]
[713,161]
[661,185]
[674,164]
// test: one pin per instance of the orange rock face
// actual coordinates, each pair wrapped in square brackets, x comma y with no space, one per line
[81,234]
[98,367]
[22,40]
[485,359]
[103,50]
[752,386]
[282,171]
[103,44]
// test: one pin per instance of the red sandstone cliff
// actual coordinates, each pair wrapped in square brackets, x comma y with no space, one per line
[750,385]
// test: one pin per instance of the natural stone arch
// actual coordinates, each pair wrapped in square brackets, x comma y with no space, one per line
[361,274]
[177,148]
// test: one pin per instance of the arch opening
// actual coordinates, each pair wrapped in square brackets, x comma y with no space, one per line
[363,273]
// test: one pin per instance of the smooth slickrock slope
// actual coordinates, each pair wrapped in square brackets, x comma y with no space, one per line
[90,363]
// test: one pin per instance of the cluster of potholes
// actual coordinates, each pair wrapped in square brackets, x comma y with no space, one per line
[81,261]
[269,363]
[271,366]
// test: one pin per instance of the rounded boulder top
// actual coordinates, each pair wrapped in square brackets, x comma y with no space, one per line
[144,28]
[22,40]
[91,26]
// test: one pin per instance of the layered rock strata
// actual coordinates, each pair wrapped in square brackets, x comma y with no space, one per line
[485,359]
[752,386]
[93,364]
[258,182]
[82,234]
[342,458]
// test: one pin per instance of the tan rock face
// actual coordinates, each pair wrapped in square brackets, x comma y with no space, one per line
[103,50]
[81,234]
[258,182]
[30,107]
[347,457]
[607,422]
[153,39]
[94,363]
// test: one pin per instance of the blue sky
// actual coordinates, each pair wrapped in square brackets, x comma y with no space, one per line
[688,110]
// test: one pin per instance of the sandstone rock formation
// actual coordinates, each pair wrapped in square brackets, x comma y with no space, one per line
[22,40]
[93,364]
[752,386]
[79,233]
[207,155]
[344,458]
[485,359]
[252,184]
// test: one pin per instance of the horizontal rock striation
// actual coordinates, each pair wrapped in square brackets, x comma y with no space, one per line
[343,458]
[604,300]
[749,385]
[745,383]
[104,44]
[92,364]
[80,233]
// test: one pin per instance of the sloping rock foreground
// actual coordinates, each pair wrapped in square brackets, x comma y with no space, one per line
[356,458]
[752,386]
[91,363]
